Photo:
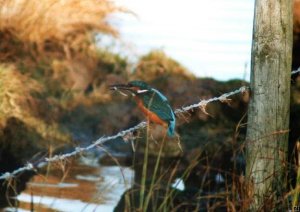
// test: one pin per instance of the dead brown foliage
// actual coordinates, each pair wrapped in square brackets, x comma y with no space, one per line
[157,64]
[53,40]
[31,31]
[64,22]
[17,100]
[15,97]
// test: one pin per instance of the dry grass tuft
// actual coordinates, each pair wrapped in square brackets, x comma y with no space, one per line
[51,48]
[157,64]
[53,42]
[17,100]
[15,92]
[64,22]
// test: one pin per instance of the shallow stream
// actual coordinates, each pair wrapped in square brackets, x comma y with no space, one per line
[78,187]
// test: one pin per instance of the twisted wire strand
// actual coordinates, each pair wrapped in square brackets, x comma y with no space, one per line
[104,139]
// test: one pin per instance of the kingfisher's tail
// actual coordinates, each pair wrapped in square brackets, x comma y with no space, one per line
[171,129]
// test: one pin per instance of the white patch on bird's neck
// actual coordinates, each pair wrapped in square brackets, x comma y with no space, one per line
[142,91]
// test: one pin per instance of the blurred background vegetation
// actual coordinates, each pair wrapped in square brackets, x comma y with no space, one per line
[54,94]
[54,79]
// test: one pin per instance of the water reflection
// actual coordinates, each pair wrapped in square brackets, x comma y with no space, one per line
[81,188]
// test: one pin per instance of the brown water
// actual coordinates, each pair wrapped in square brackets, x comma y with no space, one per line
[76,187]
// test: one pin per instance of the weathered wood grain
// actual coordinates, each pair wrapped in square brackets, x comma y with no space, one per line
[268,115]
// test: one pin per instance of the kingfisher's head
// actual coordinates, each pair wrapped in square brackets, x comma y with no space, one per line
[134,87]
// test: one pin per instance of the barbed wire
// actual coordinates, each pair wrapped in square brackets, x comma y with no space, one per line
[102,140]
[295,71]
[202,104]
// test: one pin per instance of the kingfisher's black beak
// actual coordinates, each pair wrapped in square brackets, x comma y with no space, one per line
[120,87]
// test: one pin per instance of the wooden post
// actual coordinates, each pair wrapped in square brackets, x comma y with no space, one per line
[269,107]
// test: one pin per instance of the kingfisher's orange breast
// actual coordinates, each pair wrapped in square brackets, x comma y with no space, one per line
[149,114]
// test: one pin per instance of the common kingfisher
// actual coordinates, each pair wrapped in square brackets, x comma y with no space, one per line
[153,103]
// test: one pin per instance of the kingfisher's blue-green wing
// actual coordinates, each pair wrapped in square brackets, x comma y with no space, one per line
[166,113]
[158,103]
[160,106]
